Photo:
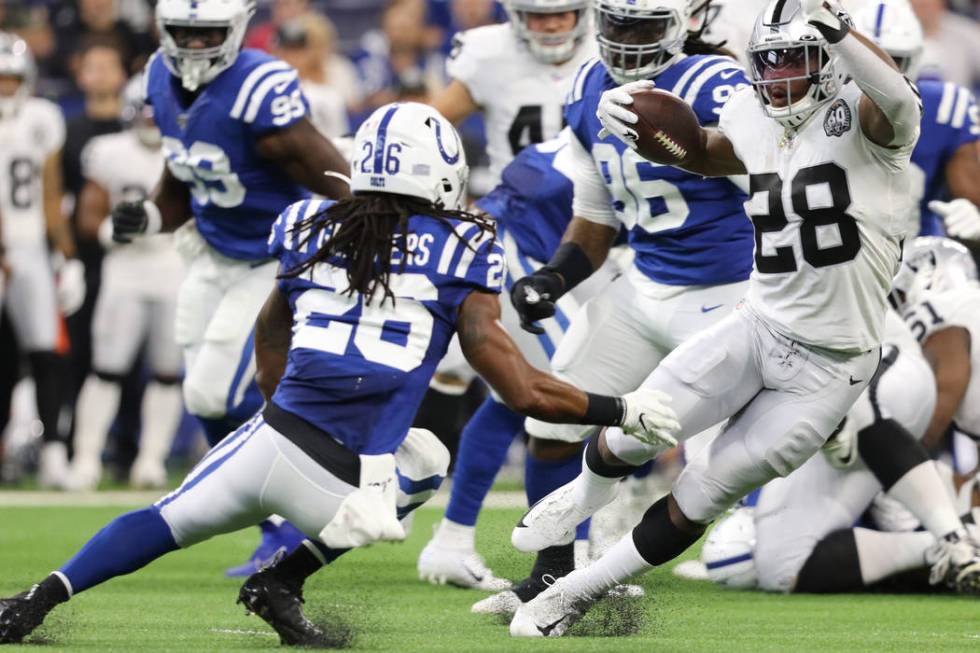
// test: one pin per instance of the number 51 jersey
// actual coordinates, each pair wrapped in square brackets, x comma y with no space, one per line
[830,212]
[358,369]
[209,144]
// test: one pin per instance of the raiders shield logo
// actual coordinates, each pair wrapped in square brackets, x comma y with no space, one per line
[838,118]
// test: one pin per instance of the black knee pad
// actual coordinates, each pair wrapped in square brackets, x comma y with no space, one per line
[833,566]
[658,539]
[889,451]
[595,463]
[166,379]
[108,377]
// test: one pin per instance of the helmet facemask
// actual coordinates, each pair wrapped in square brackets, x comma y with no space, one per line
[792,80]
[549,47]
[638,44]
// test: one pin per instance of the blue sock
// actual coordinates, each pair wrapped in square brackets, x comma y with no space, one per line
[482,452]
[126,544]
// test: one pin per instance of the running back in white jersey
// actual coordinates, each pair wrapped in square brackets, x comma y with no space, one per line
[828,207]
[32,135]
[521,97]
[959,307]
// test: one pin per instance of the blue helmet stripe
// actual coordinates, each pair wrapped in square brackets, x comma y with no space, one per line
[728,561]
[379,144]
[879,19]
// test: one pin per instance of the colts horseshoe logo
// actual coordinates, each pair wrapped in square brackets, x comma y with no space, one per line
[451,159]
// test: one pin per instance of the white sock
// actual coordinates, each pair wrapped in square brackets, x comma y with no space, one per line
[592,491]
[97,405]
[885,554]
[162,405]
[922,491]
[620,562]
[451,535]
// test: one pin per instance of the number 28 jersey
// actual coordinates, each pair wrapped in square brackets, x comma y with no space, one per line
[830,212]
[358,369]
[209,144]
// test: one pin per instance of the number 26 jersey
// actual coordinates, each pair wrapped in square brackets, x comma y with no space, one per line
[829,209]
[209,144]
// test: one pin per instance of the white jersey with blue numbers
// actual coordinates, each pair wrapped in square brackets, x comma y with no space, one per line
[950,119]
[209,144]
[685,230]
[358,369]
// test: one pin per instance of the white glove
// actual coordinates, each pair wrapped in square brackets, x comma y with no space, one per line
[649,419]
[961,217]
[613,115]
[71,286]
[820,11]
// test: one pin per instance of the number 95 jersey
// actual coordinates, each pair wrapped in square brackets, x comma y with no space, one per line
[357,369]
[830,211]
[209,144]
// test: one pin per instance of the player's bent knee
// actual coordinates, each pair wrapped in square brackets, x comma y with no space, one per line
[629,449]
[794,449]
[204,399]
[167,379]
[108,377]
[422,455]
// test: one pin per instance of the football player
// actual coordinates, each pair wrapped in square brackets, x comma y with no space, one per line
[33,132]
[370,291]
[518,74]
[136,303]
[947,157]
[238,146]
[800,537]
[827,153]
[691,242]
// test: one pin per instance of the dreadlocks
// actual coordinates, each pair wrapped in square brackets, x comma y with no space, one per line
[366,231]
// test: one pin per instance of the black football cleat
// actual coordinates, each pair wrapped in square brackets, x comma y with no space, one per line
[20,615]
[280,604]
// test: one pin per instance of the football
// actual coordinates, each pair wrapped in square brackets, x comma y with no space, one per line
[668,130]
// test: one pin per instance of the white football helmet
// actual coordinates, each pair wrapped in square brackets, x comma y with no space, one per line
[198,66]
[410,149]
[729,550]
[549,48]
[931,264]
[894,26]
[783,39]
[16,60]
[639,38]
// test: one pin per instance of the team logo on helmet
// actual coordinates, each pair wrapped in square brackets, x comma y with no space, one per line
[838,119]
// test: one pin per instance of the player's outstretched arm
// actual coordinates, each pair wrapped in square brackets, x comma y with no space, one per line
[948,353]
[306,154]
[715,157]
[273,333]
[961,215]
[890,110]
[455,102]
[534,393]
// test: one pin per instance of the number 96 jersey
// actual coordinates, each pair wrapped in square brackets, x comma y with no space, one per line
[209,144]
[358,369]
[830,211]
[32,135]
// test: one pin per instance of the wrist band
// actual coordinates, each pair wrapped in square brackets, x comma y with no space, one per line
[572,263]
[604,410]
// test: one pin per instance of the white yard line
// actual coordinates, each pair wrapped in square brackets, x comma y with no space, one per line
[125,498]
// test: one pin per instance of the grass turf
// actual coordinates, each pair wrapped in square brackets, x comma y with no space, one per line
[183,602]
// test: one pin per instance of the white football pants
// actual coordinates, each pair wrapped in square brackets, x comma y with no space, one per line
[784,400]
[256,472]
[622,334]
[30,299]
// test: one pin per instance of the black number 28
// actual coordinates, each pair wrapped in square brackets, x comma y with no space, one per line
[783,260]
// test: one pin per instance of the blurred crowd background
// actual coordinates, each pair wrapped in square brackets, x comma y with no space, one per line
[353,56]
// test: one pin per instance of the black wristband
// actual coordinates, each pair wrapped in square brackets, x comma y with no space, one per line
[604,410]
[833,35]
[572,263]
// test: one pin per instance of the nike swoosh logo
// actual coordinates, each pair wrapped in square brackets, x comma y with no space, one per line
[546,630]
[854,381]
[728,74]
[708,309]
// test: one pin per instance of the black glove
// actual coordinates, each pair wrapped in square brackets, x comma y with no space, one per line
[534,297]
[129,219]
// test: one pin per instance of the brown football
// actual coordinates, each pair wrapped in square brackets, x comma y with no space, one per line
[668,129]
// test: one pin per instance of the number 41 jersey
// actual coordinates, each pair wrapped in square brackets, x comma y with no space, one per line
[358,369]
[209,144]
[829,209]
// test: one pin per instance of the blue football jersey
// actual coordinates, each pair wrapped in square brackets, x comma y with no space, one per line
[950,119]
[358,369]
[533,201]
[210,145]
[685,229]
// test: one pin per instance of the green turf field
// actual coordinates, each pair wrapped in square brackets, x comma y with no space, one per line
[184,603]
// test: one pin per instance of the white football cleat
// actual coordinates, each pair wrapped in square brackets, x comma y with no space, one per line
[550,614]
[460,567]
[502,603]
[85,474]
[552,520]
[52,466]
[148,474]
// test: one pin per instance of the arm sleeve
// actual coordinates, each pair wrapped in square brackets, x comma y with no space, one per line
[592,200]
